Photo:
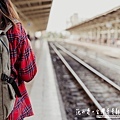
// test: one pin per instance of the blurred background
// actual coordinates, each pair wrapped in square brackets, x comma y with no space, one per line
[57,17]
[77,49]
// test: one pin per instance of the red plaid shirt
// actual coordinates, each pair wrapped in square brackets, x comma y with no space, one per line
[23,66]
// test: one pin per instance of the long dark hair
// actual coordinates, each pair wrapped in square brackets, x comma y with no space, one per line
[8,13]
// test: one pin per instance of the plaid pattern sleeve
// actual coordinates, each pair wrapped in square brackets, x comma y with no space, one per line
[26,61]
[23,66]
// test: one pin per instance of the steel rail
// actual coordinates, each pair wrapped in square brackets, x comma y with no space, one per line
[79,81]
[90,68]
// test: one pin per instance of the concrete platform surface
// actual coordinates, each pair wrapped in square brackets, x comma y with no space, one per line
[106,50]
[42,89]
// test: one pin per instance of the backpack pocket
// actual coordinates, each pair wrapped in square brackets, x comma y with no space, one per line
[8,99]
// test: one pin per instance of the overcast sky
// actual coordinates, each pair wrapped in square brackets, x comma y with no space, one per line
[62,10]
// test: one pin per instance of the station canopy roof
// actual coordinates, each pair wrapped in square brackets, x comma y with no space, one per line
[109,14]
[33,13]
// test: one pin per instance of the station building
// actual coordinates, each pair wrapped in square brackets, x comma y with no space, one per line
[102,29]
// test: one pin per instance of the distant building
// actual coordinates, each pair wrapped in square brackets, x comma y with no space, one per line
[74,19]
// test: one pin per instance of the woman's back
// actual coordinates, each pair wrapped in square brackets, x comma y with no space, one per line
[23,66]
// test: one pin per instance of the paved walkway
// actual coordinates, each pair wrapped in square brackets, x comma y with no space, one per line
[42,89]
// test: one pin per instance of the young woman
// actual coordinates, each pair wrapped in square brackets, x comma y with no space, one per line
[23,65]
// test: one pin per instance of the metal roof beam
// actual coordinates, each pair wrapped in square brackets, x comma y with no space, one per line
[35,7]
[37,11]
[29,1]
[39,18]
[40,15]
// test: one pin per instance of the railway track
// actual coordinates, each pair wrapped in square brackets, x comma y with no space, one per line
[98,61]
[87,91]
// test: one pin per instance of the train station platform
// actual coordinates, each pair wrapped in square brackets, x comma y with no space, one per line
[105,54]
[43,90]
[105,59]
[104,49]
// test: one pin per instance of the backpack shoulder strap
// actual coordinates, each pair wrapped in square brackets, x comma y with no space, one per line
[9,26]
